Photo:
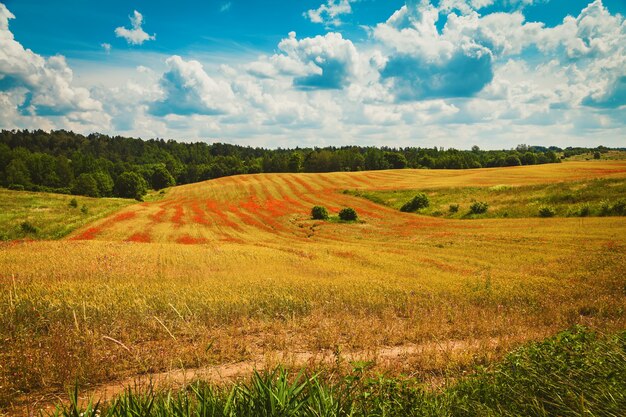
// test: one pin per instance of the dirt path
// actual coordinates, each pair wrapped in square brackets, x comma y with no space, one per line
[224,373]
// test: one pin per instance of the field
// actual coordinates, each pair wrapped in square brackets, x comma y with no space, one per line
[596,197]
[50,215]
[220,277]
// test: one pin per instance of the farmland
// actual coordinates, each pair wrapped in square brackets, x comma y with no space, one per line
[233,272]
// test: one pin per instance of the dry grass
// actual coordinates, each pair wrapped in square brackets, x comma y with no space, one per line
[256,277]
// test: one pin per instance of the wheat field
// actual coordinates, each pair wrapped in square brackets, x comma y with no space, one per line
[233,271]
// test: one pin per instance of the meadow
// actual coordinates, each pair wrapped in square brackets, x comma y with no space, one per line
[30,215]
[221,277]
[596,197]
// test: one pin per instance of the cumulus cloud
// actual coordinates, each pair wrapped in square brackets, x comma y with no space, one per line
[34,85]
[187,90]
[327,62]
[136,35]
[329,12]
[423,63]
[432,70]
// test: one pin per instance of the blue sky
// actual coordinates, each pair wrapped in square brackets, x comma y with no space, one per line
[448,73]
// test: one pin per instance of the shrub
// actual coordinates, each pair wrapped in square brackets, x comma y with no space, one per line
[454,208]
[479,207]
[348,214]
[546,211]
[84,209]
[418,202]
[73,203]
[605,208]
[584,211]
[619,207]
[29,228]
[319,213]
[16,187]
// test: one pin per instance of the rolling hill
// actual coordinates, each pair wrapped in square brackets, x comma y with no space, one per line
[233,271]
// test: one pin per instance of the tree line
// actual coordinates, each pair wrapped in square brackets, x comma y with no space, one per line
[98,165]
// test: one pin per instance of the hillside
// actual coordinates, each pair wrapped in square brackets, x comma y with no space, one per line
[226,275]
[249,208]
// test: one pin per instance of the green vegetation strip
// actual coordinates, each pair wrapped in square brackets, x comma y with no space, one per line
[600,197]
[571,374]
[31,215]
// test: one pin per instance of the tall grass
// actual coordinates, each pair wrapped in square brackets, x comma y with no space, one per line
[571,374]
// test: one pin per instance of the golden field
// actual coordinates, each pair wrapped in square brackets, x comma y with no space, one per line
[233,271]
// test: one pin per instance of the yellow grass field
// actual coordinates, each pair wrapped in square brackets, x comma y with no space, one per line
[233,271]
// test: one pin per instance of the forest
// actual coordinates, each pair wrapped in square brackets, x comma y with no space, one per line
[98,165]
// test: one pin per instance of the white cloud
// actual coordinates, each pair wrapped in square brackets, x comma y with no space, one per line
[187,90]
[106,47]
[136,35]
[491,79]
[329,12]
[32,85]
[422,63]
[225,7]
[327,62]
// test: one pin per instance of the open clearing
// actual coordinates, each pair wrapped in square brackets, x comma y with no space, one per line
[233,270]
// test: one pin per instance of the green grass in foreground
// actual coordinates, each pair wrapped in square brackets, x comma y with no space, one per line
[34,215]
[574,373]
[600,197]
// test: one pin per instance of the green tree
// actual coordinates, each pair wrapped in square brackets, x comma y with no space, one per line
[529,158]
[64,171]
[161,178]
[130,185]
[295,162]
[512,161]
[395,160]
[375,159]
[86,184]
[17,173]
[104,182]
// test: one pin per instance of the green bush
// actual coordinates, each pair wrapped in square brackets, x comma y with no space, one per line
[584,211]
[84,209]
[319,213]
[479,207]
[29,228]
[16,187]
[546,211]
[454,208]
[348,214]
[418,202]
[605,208]
[73,203]
[619,208]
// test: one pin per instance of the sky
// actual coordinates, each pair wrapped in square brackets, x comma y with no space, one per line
[279,73]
